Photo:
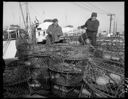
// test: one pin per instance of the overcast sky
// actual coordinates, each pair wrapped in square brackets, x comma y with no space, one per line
[68,13]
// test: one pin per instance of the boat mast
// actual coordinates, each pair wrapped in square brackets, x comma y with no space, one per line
[22,13]
[27,16]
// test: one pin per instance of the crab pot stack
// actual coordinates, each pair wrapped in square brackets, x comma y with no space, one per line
[39,70]
[65,83]
[15,80]
[66,75]
[104,79]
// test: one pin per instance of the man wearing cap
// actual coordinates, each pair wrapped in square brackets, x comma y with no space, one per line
[91,27]
[54,32]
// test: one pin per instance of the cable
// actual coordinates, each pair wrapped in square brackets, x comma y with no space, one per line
[92,7]
[85,6]
[82,7]
[97,7]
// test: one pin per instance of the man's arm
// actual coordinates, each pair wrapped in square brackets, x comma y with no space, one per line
[85,25]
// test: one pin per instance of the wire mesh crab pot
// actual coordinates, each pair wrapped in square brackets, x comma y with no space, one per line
[104,80]
[17,90]
[39,70]
[16,73]
[25,50]
[65,92]
[114,45]
[66,74]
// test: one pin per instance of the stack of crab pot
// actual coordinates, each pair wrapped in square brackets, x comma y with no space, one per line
[66,70]
[15,79]
[39,70]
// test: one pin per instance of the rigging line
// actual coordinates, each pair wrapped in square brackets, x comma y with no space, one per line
[100,11]
[34,10]
[22,14]
[97,7]
[81,6]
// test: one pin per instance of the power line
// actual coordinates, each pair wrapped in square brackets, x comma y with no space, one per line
[33,10]
[88,8]
[97,7]
[82,7]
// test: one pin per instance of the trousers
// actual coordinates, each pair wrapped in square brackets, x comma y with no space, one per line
[92,37]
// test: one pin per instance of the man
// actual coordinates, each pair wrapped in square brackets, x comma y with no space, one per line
[54,32]
[91,27]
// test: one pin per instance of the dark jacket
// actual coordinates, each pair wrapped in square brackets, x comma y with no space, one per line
[92,26]
[56,32]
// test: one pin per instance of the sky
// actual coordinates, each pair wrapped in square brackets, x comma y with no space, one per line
[68,13]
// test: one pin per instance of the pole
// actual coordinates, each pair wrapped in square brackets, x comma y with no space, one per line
[116,26]
[111,15]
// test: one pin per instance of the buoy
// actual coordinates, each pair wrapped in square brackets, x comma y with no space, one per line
[115,77]
[103,80]
[107,56]
[115,58]
[27,63]
[85,91]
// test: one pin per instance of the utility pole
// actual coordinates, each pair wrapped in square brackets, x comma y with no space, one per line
[114,26]
[111,15]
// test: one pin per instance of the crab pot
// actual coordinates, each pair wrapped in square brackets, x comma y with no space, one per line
[104,81]
[39,61]
[65,92]
[42,76]
[24,51]
[65,79]
[17,90]
[40,71]
[65,76]
[16,72]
